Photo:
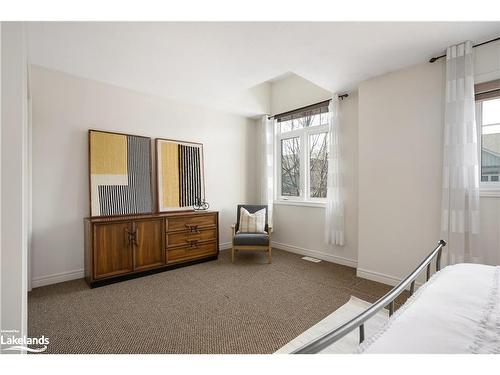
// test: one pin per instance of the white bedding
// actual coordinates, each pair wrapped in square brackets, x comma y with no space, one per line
[457,311]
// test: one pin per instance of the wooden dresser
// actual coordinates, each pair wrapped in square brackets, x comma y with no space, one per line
[122,247]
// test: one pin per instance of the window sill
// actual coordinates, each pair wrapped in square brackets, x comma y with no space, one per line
[490,193]
[301,203]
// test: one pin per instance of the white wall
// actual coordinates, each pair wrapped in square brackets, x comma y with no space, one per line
[14,179]
[301,228]
[400,161]
[400,126]
[487,62]
[251,102]
[399,155]
[65,107]
[293,91]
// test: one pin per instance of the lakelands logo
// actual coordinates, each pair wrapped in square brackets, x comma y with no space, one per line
[10,341]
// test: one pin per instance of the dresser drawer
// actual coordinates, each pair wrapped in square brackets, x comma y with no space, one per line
[187,253]
[190,222]
[187,237]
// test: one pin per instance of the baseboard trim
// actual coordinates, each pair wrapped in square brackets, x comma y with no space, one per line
[363,273]
[80,274]
[315,254]
[381,278]
[377,276]
[225,245]
[57,278]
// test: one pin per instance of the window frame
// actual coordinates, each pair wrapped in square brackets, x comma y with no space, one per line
[304,199]
[485,91]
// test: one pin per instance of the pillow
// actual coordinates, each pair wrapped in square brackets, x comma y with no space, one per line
[252,223]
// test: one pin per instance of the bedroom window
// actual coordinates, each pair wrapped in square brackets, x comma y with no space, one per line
[290,167]
[318,164]
[488,122]
[302,162]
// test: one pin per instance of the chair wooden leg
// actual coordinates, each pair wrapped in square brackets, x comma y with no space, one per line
[232,255]
[270,255]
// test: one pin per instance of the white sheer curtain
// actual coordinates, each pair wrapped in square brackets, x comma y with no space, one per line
[267,165]
[334,215]
[460,197]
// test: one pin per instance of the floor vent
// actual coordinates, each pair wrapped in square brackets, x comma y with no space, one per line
[309,259]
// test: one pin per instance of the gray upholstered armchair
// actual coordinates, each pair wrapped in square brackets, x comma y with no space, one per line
[251,241]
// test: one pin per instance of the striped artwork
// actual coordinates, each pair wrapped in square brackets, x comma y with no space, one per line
[189,175]
[180,174]
[120,174]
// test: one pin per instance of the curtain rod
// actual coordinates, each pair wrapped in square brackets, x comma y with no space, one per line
[474,46]
[341,97]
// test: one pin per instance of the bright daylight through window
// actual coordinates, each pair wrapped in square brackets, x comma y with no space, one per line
[303,154]
[489,121]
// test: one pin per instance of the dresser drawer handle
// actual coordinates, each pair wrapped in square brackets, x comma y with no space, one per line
[192,228]
[131,237]
[192,243]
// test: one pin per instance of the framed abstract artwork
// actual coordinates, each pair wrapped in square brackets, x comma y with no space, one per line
[179,175]
[120,174]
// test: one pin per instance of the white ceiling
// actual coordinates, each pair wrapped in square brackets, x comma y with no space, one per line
[213,63]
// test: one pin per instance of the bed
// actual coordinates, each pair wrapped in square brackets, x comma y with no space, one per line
[456,311]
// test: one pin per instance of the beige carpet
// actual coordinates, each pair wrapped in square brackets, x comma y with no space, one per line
[213,307]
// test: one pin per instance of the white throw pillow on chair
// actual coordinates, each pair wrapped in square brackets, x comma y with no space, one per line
[252,223]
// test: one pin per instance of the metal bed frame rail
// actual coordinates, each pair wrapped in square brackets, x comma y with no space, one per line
[387,300]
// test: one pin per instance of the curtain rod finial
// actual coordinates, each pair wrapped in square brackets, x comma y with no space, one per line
[432,59]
